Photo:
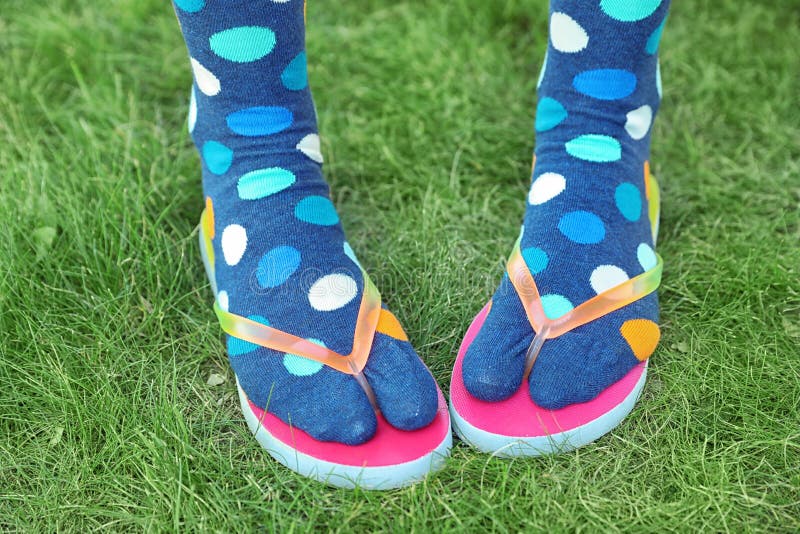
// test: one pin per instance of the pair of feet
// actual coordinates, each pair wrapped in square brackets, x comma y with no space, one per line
[379,421]
[304,391]
[280,264]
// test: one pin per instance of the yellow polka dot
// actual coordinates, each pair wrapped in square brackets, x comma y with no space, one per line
[642,336]
[390,326]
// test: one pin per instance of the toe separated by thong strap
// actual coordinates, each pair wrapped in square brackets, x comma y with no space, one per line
[604,303]
[259,334]
[594,308]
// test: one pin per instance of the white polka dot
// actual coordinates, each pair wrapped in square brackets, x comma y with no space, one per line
[541,72]
[332,292]
[206,81]
[658,81]
[646,256]
[547,186]
[607,276]
[192,111]
[234,243]
[567,35]
[222,300]
[638,121]
[310,146]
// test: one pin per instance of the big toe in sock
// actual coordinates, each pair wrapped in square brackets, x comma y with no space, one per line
[495,360]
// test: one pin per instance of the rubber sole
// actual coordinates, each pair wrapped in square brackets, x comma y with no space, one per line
[517,427]
[516,446]
[346,476]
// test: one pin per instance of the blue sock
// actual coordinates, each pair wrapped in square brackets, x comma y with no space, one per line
[586,227]
[280,253]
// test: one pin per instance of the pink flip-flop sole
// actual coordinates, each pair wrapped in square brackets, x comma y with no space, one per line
[518,427]
[391,459]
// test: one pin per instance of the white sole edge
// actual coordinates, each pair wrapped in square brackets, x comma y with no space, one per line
[518,446]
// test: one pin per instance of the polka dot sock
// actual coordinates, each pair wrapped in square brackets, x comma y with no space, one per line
[280,253]
[586,227]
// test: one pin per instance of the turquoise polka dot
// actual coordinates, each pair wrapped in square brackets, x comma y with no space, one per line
[597,148]
[549,114]
[655,38]
[295,75]
[316,210]
[243,44]
[605,84]
[258,121]
[536,259]
[300,366]
[277,265]
[629,201]
[555,306]
[264,182]
[191,6]
[629,10]
[217,156]
[582,227]
[646,256]
[237,347]
[348,250]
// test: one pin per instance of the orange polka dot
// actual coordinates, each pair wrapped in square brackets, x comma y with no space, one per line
[210,218]
[642,337]
[389,325]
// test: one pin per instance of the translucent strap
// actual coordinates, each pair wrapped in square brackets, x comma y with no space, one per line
[594,308]
[272,338]
[606,302]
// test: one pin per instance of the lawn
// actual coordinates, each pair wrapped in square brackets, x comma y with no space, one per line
[107,338]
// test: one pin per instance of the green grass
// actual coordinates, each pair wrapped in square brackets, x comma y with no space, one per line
[426,108]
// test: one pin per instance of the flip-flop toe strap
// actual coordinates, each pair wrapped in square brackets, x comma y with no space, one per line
[369,314]
[606,302]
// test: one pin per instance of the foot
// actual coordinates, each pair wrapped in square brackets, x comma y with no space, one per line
[280,255]
[586,227]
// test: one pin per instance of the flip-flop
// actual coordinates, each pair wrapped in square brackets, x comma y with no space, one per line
[517,426]
[392,458]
